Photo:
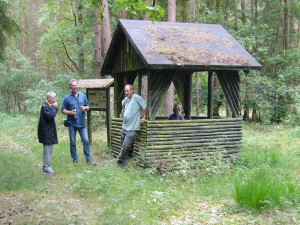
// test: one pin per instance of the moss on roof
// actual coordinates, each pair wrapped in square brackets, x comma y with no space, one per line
[183,46]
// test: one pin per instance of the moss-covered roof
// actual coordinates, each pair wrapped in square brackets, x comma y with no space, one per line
[163,45]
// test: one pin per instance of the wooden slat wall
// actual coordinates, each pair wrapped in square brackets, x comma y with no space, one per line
[127,59]
[164,140]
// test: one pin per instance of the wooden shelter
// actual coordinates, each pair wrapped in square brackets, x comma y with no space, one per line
[171,51]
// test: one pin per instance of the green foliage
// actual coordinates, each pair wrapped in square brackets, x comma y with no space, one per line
[265,188]
[37,95]
[138,9]
[61,38]
[275,96]
[8,27]
[17,76]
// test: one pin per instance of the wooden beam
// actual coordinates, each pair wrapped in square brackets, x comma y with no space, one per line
[210,95]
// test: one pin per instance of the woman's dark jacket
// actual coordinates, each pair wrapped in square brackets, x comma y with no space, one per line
[47,128]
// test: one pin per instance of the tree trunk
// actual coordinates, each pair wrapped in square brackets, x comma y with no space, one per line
[243,11]
[298,39]
[171,10]
[170,93]
[144,88]
[23,21]
[246,114]
[254,116]
[292,25]
[106,30]
[80,53]
[286,24]
[98,44]
[218,5]
[227,11]
[193,7]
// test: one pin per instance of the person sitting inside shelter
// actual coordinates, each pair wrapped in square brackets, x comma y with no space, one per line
[175,115]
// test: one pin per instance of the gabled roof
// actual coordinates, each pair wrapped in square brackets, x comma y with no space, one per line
[172,45]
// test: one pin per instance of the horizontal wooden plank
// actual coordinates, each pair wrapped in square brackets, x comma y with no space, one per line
[191,136]
[188,142]
[181,132]
[204,121]
[186,146]
[196,127]
[194,150]
[191,126]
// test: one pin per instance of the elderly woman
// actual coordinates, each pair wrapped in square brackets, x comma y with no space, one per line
[176,115]
[47,133]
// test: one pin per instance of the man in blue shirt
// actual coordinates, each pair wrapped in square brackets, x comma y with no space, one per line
[135,110]
[74,106]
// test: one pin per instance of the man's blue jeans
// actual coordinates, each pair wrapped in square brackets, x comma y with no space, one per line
[85,142]
[127,139]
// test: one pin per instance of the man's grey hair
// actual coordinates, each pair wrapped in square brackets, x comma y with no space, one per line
[130,86]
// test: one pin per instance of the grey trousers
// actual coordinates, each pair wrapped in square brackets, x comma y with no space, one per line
[127,139]
[47,155]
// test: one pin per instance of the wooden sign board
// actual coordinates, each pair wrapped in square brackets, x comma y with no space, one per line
[97,98]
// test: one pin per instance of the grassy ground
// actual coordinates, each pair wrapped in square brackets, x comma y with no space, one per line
[105,194]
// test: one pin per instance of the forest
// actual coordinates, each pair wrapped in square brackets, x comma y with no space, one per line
[48,42]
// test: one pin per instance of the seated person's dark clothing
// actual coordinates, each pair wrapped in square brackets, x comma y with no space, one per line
[176,117]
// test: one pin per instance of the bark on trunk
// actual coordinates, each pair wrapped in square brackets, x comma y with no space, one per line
[98,45]
[170,93]
[286,24]
[80,53]
[243,11]
[106,30]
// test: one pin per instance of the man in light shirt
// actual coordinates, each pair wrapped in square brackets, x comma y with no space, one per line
[135,111]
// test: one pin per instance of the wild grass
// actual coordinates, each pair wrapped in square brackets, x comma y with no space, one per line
[16,174]
[266,177]
[266,187]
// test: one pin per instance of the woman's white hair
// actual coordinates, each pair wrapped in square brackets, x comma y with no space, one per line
[50,94]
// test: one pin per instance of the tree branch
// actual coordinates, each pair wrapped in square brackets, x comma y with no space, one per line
[66,52]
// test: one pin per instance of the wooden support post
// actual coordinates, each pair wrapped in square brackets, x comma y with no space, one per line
[89,125]
[188,91]
[139,83]
[210,95]
[108,120]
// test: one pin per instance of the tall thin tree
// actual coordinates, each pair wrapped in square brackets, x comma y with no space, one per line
[170,93]
[80,52]
[286,24]
[98,42]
